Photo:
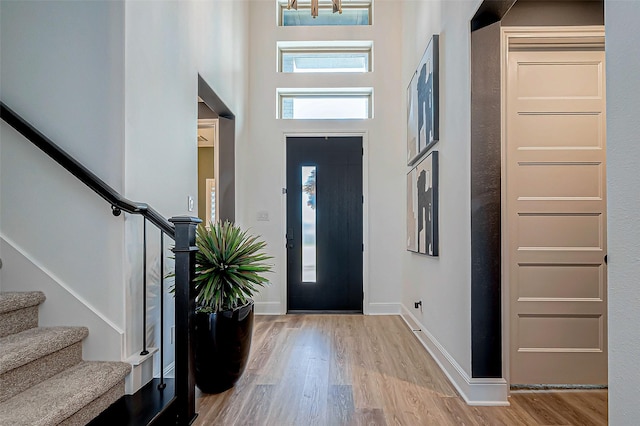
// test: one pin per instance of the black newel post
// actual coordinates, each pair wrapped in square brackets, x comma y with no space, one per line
[185,256]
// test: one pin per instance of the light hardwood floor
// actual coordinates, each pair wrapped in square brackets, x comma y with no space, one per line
[367,370]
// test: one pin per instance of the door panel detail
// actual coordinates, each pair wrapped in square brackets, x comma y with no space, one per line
[555,194]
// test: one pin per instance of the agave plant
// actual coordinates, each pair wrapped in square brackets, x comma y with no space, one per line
[229,267]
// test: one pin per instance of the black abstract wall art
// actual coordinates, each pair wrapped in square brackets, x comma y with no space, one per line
[422,206]
[423,97]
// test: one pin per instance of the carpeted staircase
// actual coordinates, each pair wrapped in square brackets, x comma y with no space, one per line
[43,379]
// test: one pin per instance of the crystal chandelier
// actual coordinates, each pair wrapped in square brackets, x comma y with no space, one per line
[337,6]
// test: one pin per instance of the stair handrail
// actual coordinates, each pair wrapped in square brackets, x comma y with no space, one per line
[100,187]
[182,407]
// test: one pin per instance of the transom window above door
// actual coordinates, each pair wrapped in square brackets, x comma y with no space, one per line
[327,104]
[325,57]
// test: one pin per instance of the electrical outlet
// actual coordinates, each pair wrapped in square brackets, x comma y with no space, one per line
[262,216]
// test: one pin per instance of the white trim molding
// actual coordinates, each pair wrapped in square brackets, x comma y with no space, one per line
[269,308]
[480,392]
[169,371]
[22,271]
[61,283]
[141,371]
[364,134]
[383,309]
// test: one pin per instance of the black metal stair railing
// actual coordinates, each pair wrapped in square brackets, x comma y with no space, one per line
[180,229]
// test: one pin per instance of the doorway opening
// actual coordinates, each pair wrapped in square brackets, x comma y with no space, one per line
[216,157]
[208,163]
[492,340]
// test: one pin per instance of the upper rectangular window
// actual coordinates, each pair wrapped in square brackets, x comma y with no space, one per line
[325,104]
[354,13]
[325,62]
[324,57]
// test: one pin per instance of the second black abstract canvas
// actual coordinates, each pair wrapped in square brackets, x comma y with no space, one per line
[422,206]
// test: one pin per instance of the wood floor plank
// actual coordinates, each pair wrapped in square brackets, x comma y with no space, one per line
[263,344]
[340,365]
[295,321]
[573,414]
[540,406]
[257,410]
[589,404]
[502,416]
[313,401]
[340,407]
[286,398]
[334,370]
[369,417]
[222,408]
[272,369]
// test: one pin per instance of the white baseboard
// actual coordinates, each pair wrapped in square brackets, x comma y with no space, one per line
[383,309]
[484,392]
[268,308]
[276,308]
[169,371]
[63,306]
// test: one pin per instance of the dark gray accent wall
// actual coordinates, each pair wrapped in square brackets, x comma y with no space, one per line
[555,13]
[205,112]
[490,12]
[227,172]
[486,303]
[212,100]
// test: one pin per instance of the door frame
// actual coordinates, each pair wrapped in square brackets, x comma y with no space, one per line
[365,206]
[584,36]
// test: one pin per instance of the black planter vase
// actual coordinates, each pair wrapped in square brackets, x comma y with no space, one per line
[223,342]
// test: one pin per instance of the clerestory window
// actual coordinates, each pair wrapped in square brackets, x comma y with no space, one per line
[353,13]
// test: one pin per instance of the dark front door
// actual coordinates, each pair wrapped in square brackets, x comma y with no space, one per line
[324,223]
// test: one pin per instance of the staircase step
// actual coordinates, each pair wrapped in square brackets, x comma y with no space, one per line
[19,311]
[19,349]
[34,355]
[72,397]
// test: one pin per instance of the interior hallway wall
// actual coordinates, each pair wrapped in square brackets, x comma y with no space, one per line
[62,69]
[115,84]
[558,13]
[623,204]
[443,284]
[261,158]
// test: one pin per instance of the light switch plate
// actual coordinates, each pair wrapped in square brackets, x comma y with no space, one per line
[190,203]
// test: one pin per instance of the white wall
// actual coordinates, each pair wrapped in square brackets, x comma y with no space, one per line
[167,44]
[223,54]
[623,151]
[62,70]
[160,152]
[62,306]
[261,164]
[115,84]
[444,284]
[223,62]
